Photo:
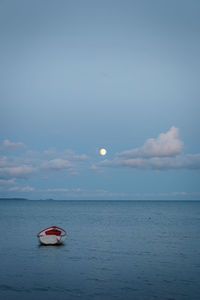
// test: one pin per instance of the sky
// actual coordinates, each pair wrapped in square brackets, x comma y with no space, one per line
[77,76]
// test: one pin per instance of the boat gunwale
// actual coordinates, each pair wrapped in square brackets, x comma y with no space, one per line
[62,230]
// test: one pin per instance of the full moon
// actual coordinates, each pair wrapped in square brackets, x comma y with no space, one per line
[102,151]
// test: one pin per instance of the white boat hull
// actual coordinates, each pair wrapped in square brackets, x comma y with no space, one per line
[52,240]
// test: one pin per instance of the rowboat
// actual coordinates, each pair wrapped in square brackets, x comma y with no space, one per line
[52,236]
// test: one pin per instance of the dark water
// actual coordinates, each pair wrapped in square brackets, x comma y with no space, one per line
[114,250]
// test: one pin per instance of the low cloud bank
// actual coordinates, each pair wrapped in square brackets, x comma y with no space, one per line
[157,163]
[164,152]
[27,163]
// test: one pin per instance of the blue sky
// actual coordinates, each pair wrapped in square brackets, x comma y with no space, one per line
[80,75]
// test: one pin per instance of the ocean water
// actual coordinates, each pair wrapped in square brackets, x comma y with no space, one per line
[114,250]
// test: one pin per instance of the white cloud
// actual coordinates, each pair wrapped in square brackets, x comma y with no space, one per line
[97,167]
[57,164]
[3,162]
[22,171]
[66,154]
[23,165]
[49,153]
[77,193]
[7,181]
[99,194]
[21,189]
[166,145]
[58,190]
[11,146]
[58,161]
[158,163]
[72,156]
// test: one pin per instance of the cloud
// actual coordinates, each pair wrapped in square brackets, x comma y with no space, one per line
[70,155]
[162,153]
[101,194]
[22,171]
[78,193]
[166,145]
[97,167]
[49,153]
[98,194]
[25,164]
[66,154]
[21,189]
[56,165]
[11,146]
[53,161]
[157,163]
[58,190]
[3,162]
[7,181]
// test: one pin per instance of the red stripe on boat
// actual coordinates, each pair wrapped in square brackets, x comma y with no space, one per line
[53,232]
[60,231]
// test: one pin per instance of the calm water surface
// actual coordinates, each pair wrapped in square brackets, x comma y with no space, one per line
[114,250]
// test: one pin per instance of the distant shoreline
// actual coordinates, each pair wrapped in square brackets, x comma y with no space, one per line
[100,200]
[22,199]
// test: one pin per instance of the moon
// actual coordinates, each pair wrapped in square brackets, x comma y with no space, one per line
[102,151]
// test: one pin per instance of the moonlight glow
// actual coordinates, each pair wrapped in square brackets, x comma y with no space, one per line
[102,151]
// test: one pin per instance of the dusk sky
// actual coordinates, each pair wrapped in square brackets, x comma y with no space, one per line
[78,76]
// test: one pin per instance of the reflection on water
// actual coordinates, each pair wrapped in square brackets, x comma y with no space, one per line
[58,246]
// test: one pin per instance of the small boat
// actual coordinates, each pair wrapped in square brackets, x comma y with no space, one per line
[52,236]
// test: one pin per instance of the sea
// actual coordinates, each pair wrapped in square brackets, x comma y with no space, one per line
[114,250]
